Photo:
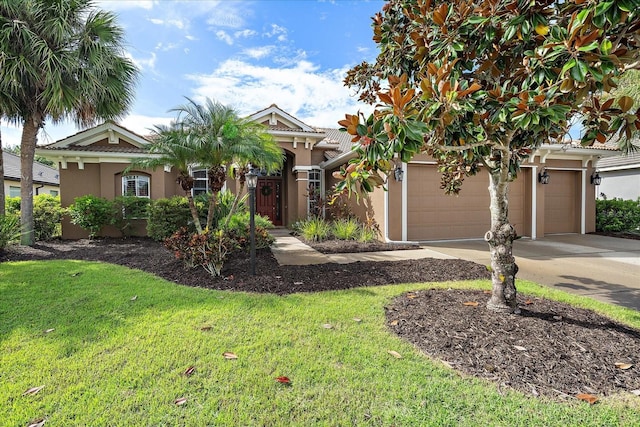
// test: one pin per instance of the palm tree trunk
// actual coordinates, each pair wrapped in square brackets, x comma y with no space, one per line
[27,153]
[217,177]
[2,195]
[236,202]
[194,211]
[500,239]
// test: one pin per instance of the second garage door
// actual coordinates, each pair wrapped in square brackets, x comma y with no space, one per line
[561,206]
[433,215]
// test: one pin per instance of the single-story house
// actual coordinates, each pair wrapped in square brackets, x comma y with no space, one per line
[413,209]
[46,180]
[620,176]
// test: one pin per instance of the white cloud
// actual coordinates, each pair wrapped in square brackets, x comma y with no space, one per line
[317,98]
[227,14]
[190,37]
[244,33]
[166,47]
[277,31]
[178,23]
[258,52]
[141,124]
[144,63]
[129,4]
[222,35]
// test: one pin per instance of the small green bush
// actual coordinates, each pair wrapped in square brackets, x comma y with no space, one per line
[367,235]
[12,205]
[129,208]
[167,216]
[91,213]
[47,216]
[240,231]
[346,229]
[315,229]
[9,229]
[617,215]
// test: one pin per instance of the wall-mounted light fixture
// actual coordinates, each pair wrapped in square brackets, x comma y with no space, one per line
[596,179]
[398,173]
[543,177]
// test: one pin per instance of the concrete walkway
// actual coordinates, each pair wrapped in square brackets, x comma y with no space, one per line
[604,268]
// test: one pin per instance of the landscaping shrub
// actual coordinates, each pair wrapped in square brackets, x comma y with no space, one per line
[617,215]
[239,230]
[315,229]
[91,213]
[129,208]
[47,216]
[208,250]
[167,216]
[346,229]
[9,229]
[12,205]
[367,235]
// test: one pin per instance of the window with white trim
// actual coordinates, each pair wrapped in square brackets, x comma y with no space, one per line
[200,181]
[14,191]
[54,193]
[314,190]
[135,185]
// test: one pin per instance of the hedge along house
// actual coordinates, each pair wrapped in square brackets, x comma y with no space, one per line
[552,194]
[93,161]
[413,209]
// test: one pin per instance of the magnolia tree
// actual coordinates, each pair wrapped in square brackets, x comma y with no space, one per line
[480,84]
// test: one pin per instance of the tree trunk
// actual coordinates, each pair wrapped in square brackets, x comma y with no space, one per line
[30,130]
[2,195]
[217,177]
[241,180]
[500,239]
[194,211]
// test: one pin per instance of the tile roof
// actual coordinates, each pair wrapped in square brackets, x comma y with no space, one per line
[96,149]
[42,174]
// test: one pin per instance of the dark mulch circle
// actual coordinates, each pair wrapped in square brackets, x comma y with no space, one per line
[566,350]
[335,246]
[550,349]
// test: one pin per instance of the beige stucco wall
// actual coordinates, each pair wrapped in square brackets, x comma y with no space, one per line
[105,180]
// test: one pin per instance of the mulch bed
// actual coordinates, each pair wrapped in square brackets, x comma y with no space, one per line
[550,349]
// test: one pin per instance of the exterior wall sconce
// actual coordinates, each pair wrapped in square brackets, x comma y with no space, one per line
[543,177]
[398,173]
[596,179]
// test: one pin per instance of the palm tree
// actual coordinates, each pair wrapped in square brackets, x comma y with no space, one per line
[59,60]
[223,137]
[172,146]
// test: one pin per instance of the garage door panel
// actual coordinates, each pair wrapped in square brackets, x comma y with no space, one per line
[433,215]
[561,209]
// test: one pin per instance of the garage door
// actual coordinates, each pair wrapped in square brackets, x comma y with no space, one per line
[433,215]
[562,202]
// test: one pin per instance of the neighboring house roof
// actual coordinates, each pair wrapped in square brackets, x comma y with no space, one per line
[42,174]
[621,161]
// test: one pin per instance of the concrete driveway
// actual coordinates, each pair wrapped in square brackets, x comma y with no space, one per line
[604,268]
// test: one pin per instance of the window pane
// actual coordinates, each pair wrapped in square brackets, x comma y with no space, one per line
[14,191]
[143,187]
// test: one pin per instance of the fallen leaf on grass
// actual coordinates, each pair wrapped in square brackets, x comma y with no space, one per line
[518,347]
[636,392]
[180,401]
[37,423]
[190,370]
[395,354]
[283,380]
[327,326]
[76,274]
[590,398]
[49,330]
[33,390]
[393,322]
[470,303]
[229,356]
[206,328]
[412,296]
[135,297]
[357,319]
[623,366]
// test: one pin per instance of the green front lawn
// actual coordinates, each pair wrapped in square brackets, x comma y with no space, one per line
[119,342]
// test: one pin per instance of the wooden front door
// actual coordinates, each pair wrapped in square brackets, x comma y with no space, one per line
[269,199]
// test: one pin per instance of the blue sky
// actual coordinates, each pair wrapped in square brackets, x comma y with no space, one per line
[245,54]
